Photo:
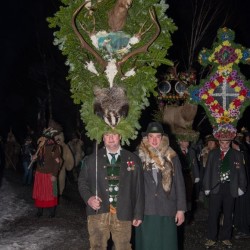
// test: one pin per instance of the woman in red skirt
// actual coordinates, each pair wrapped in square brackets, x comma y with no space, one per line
[49,161]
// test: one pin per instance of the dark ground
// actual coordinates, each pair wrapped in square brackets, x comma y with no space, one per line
[71,216]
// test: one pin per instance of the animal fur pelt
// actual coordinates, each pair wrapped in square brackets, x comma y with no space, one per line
[72,154]
[68,161]
[111,104]
[76,146]
[204,154]
[160,158]
[180,117]
[118,15]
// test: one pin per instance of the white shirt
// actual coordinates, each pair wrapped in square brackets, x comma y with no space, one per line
[116,156]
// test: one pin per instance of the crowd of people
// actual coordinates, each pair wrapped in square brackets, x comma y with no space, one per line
[41,161]
[144,199]
[174,181]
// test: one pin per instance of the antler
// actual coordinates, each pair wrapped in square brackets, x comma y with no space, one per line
[93,31]
[174,71]
[146,46]
[84,44]
[177,76]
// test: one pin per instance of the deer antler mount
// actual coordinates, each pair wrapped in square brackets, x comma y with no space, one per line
[112,49]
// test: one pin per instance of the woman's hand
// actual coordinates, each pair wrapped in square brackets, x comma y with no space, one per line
[53,178]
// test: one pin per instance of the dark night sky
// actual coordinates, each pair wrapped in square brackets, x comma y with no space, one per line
[27,53]
[232,14]
[28,56]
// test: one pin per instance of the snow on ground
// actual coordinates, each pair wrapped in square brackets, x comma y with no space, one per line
[31,236]
[31,240]
[11,206]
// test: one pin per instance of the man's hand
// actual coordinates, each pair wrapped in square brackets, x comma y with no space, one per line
[179,218]
[240,192]
[94,202]
[136,223]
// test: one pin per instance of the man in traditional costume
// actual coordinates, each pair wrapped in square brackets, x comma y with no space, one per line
[113,194]
[165,200]
[224,180]
[111,185]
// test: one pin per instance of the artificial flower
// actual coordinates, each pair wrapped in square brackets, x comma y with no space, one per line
[241,98]
[237,89]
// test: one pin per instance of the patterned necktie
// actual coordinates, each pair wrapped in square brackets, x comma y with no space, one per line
[113,159]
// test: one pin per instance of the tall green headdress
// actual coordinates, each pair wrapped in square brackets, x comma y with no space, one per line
[113,49]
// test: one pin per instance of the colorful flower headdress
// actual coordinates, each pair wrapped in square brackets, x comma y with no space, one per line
[225,132]
[225,93]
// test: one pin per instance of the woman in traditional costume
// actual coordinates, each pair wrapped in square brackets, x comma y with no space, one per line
[49,161]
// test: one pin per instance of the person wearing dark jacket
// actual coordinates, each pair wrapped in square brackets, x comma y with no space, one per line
[242,203]
[27,151]
[165,199]
[224,180]
[111,185]
[191,174]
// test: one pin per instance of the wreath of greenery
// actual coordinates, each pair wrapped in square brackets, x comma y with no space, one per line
[139,86]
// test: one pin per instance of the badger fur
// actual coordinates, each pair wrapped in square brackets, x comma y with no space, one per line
[111,104]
